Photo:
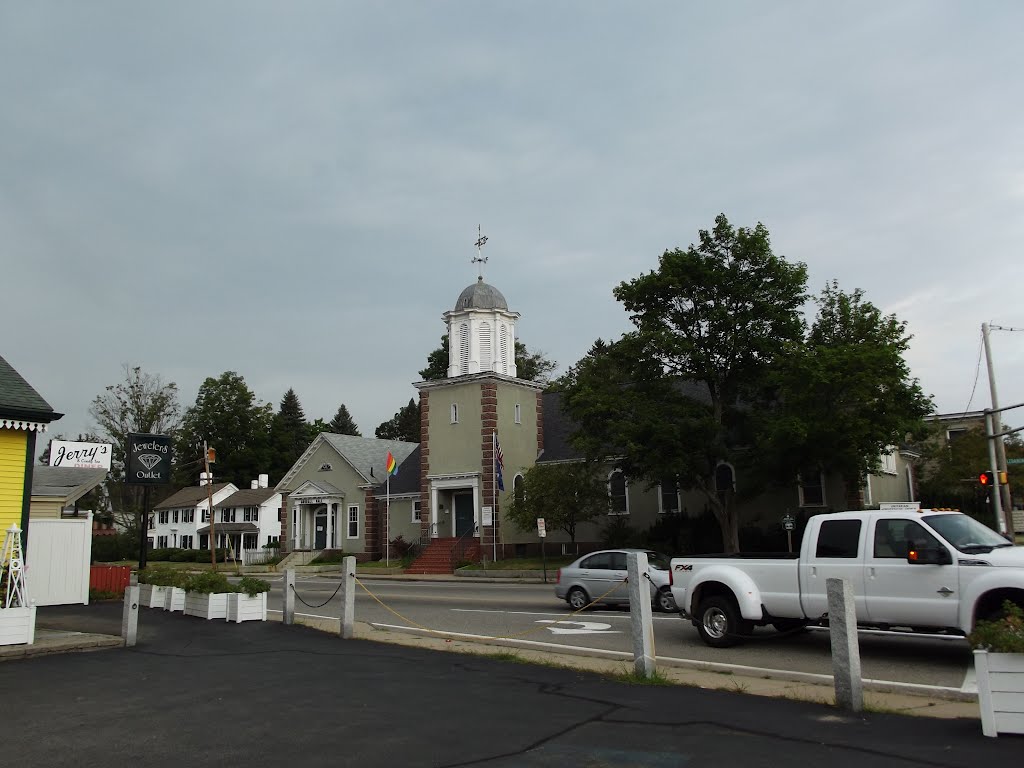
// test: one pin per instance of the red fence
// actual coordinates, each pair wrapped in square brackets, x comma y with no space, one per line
[110,578]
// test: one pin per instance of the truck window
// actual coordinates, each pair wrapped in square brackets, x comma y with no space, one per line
[889,539]
[838,538]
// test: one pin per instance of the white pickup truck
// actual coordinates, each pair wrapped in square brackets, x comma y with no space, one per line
[922,569]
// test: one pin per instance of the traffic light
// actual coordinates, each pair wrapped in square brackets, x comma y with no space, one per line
[1003,479]
[211,456]
[985,479]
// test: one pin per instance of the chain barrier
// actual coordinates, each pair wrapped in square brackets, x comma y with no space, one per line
[321,605]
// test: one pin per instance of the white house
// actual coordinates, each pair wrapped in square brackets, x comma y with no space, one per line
[247,519]
[176,521]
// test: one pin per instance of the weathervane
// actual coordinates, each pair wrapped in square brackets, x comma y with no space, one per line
[481,240]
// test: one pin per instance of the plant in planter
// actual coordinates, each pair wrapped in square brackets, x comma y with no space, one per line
[206,595]
[155,585]
[249,601]
[999,664]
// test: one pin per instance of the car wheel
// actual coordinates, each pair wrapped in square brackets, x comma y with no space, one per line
[664,601]
[718,622]
[577,599]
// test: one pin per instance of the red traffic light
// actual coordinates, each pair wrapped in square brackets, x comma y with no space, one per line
[985,479]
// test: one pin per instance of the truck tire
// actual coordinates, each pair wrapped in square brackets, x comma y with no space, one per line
[664,601]
[719,623]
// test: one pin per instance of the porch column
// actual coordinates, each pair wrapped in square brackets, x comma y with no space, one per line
[332,509]
[434,533]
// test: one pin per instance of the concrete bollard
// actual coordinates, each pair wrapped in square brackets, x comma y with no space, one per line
[288,616]
[348,597]
[842,623]
[640,614]
[130,616]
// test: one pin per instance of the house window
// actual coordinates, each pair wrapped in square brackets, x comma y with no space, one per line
[353,522]
[725,478]
[519,414]
[889,464]
[669,497]
[251,515]
[273,540]
[455,413]
[618,498]
[227,515]
[163,517]
[417,511]
[812,489]
[174,516]
[188,516]
[161,542]
[152,522]
[205,516]
[186,541]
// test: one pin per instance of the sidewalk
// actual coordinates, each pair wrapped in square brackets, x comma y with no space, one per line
[211,693]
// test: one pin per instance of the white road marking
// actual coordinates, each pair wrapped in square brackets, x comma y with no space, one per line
[602,614]
[585,628]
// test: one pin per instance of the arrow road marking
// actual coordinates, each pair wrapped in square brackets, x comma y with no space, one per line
[585,628]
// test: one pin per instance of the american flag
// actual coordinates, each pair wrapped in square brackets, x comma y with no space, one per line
[499,463]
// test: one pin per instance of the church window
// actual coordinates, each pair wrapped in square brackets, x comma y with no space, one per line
[486,363]
[455,413]
[504,348]
[464,348]
[618,498]
[519,414]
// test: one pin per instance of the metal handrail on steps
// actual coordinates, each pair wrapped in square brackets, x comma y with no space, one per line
[459,550]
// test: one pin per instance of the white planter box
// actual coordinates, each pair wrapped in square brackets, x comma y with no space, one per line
[174,598]
[1000,691]
[214,606]
[152,595]
[17,626]
[241,607]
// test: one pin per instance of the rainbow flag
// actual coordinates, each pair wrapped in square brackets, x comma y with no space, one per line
[391,465]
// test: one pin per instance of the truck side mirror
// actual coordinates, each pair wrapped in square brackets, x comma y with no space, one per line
[928,555]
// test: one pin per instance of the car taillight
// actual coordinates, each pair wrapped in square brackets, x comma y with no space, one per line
[558,576]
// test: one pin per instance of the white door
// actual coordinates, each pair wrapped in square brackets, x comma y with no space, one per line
[57,561]
[838,554]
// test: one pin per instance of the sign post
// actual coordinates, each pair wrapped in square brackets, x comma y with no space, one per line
[148,463]
[789,523]
[542,532]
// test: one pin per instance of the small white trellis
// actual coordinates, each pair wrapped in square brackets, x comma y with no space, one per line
[17,614]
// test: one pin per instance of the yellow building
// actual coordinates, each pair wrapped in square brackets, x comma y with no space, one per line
[23,415]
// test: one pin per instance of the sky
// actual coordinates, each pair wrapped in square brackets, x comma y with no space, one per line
[292,191]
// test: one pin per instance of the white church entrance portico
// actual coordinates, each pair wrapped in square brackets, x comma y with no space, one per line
[454,505]
[314,511]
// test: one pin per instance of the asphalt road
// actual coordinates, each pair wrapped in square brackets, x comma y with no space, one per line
[530,612]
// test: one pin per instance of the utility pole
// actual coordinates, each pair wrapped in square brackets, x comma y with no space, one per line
[209,504]
[1003,490]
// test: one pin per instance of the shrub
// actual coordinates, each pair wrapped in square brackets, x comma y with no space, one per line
[95,595]
[1003,635]
[272,545]
[253,586]
[208,583]
[329,557]
[161,576]
[181,556]
[108,549]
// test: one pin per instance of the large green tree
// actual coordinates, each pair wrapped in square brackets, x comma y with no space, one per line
[845,396]
[530,366]
[140,403]
[404,425]
[230,418]
[290,435]
[670,399]
[342,423]
[565,495]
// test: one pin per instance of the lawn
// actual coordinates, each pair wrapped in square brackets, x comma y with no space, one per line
[525,563]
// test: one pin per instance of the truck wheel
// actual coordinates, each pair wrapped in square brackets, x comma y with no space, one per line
[718,622]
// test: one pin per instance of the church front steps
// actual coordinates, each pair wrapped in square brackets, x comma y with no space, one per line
[439,557]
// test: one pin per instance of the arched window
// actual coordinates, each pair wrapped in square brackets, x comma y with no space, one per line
[618,498]
[486,359]
[464,348]
[725,478]
[518,489]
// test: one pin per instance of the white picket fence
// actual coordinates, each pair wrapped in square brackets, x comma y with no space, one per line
[258,556]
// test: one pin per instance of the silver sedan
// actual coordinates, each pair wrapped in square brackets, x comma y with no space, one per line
[600,576]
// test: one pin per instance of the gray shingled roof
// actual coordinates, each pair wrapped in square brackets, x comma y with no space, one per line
[250,497]
[367,454]
[189,497]
[18,400]
[408,478]
[230,528]
[69,483]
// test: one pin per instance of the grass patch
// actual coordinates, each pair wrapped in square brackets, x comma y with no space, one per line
[393,563]
[523,564]
[635,678]
[329,557]
[96,595]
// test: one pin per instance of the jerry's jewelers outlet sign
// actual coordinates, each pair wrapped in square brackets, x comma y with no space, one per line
[149,459]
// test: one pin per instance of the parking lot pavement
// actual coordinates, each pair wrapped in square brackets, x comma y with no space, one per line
[261,694]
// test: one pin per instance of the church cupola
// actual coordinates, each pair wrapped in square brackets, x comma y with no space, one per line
[481,330]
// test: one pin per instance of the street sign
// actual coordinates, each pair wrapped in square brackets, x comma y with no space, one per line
[1015,461]
[541,530]
[788,522]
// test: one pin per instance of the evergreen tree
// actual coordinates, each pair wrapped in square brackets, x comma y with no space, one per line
[342,423]
[290,435]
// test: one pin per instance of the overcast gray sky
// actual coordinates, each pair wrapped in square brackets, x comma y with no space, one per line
[292,190]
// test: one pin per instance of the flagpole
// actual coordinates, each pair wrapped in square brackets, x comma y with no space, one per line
[494,497]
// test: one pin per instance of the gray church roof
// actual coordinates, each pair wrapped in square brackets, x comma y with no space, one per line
[480,295]
[367,454]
